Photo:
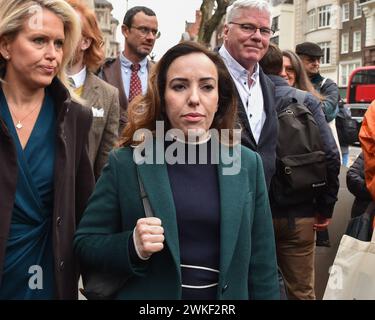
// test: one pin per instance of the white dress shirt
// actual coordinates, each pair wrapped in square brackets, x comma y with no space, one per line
[250,91]
[79,78]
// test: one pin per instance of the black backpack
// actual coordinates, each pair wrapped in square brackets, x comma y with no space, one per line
[347,128]
[300,160]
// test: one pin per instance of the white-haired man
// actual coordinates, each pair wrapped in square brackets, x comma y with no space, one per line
[247,34]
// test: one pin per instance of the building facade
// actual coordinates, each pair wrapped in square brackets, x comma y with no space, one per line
[351,41]
[282,15]
[368,9]
[108,25]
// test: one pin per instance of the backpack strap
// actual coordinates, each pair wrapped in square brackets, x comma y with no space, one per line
[145,201]
[296,96]
[300,96]
[323,82]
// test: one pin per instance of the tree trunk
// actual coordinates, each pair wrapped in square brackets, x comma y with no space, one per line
[211,18]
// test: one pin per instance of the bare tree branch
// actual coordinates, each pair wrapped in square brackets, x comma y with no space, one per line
[211,18]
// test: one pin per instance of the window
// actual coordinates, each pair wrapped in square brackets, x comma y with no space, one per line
[326,47]
[345,43]
[311,20]
[345,12]
[357,10]
[275,23]
[356,41]
[324,16]
[345,71]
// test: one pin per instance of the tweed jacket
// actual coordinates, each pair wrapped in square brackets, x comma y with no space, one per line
[103,100]
[247,249]
[73,184]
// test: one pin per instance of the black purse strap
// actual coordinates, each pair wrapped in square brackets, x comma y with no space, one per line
[145,201]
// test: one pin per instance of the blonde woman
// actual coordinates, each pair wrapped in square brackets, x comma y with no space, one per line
[45,177]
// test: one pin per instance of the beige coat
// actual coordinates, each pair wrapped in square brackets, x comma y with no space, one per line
[103,100]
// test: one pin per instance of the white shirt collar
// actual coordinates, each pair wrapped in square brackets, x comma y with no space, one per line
[235,68]
[125,62]
[79,78]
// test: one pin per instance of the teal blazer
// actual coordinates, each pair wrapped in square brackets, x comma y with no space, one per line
[248,267]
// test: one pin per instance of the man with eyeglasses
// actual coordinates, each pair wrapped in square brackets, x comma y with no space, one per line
[247,34]
[310,54]
[130,71]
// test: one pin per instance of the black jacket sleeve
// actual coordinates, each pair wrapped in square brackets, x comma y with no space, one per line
[355,179]
[330,105]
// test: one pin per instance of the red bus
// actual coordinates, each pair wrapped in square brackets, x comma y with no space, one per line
[361,91]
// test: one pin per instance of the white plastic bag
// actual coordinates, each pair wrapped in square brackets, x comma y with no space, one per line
[352,276]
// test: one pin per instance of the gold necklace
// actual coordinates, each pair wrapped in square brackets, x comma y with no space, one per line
[19,124]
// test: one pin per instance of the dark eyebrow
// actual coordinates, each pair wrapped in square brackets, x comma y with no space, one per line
[207,78]
[179,79]
[201,79]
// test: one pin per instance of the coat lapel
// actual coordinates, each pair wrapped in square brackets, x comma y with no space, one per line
[156,183]
[247,134]
[269,105]
[233,189]
[90,90]
[118,83]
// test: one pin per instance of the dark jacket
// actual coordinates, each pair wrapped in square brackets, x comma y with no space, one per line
[330,92]
[355,181]
[111,73]
[73,184]
[266,146]
[247,249]
[323,205]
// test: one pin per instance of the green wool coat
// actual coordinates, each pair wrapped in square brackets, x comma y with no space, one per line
[248,267]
